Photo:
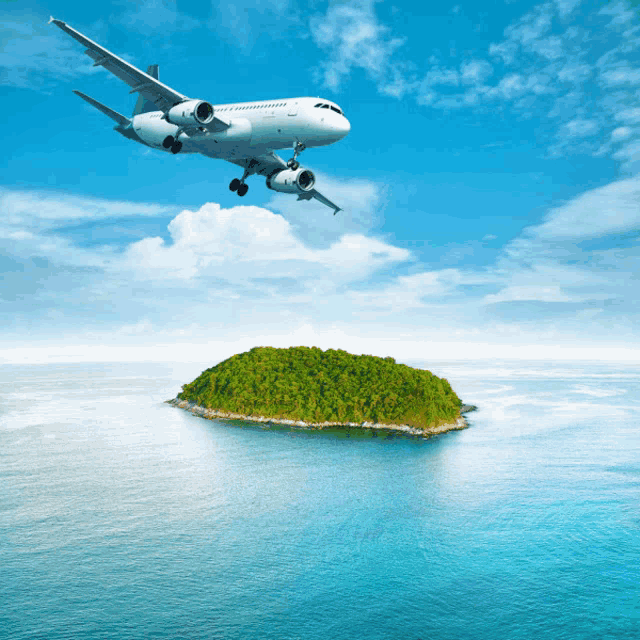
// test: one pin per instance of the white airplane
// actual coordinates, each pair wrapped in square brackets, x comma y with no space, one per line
[244,133]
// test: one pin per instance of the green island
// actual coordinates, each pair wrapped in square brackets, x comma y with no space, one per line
[308,387]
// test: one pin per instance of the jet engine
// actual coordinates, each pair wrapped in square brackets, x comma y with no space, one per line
[191,112]
[290,181]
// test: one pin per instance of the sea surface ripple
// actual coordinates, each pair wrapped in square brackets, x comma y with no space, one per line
[123,517]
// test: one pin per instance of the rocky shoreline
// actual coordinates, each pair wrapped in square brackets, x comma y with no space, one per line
[197,410]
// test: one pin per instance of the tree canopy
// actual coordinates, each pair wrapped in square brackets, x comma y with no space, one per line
[306,383]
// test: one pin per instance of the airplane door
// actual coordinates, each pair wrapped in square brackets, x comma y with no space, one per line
[293,109]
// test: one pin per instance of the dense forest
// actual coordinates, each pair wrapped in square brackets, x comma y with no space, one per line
[309,384]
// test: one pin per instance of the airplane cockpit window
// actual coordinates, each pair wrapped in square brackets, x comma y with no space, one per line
[323,105]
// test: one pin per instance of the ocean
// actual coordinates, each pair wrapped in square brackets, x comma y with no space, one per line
[123,517]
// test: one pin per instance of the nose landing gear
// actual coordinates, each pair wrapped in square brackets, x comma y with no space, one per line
[293,163]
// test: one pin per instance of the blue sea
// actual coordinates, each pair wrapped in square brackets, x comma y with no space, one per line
[123,517]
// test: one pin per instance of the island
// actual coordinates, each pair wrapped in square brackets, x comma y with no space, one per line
[311,388]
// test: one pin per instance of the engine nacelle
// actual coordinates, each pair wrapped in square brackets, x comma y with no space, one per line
[191,112]
[290,181]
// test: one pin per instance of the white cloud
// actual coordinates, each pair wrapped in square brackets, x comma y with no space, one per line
[541,293]
[245,269]
[362,202]
[531,26]
[158,15]
[620,12]
[629,116]
[579,128]
[244,21]
[544,64]
[614,208]
[629,156]
[566,7]
[246,243]
[475,71]
[353,38]
[574,72]
[48,209]
[621,76]
[409,292]
[620,133]
[442,77]
[31,52]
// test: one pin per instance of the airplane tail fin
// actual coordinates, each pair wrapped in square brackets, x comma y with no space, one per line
[143,105]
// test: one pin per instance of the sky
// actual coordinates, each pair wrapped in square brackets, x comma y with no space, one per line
[490,181]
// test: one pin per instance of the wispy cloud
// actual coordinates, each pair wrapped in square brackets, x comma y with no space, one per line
[579,75]
[353,38]
[31,54]
[245,21]
[158,15]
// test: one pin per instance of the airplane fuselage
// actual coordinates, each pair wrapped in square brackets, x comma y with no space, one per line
[255,128]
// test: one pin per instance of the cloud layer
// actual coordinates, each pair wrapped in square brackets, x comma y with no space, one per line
[246,268]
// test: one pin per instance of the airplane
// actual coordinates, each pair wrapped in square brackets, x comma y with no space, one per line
[244,133]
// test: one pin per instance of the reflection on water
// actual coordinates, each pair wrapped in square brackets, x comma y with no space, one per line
[125,517]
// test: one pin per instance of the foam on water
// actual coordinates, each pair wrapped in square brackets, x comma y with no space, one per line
[124,517]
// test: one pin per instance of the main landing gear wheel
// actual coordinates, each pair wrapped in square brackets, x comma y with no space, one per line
[242,189]
[234,184]
[176,146]
[168,142]
[294,165]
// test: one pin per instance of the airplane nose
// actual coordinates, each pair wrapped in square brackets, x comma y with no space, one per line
[343,127]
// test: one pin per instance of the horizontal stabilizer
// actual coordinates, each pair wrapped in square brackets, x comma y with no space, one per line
[114,115]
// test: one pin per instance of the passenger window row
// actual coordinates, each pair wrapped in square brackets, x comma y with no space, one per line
[254,106]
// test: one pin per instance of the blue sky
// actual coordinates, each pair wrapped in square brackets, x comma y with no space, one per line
[491,182]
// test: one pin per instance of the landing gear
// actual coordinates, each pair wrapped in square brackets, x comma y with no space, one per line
[172,143]
[239,186]
[293,163]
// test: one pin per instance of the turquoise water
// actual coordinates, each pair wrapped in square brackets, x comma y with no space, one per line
[123,517]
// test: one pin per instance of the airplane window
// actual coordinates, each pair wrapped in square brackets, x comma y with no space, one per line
[317,105]
[325,106]
[335,109]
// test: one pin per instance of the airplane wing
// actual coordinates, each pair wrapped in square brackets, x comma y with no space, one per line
[267,164]
[160,94]
[318,196]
